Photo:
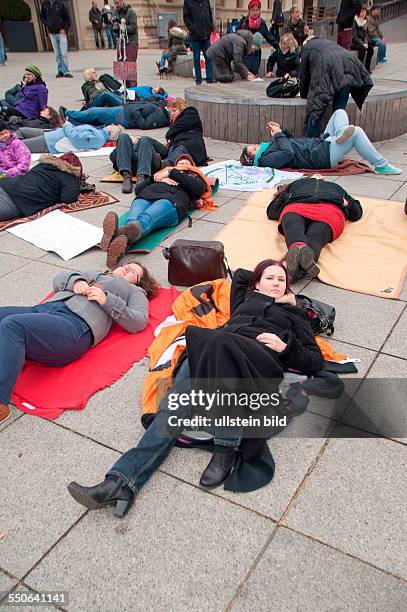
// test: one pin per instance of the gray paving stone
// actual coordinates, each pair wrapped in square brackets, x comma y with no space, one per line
[15,414]
[400,194]
[397,342]
[6,583]
[17,246]
[368,330]
[150,551]
[200,230]
[28,285]
[369,185]
[8,263]
[93,259]
[37,509]
[226,213]
[351,502]
[297,573]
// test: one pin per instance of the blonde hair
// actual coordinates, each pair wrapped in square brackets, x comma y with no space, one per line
[178,103]
[290,41]
[87,74]
[294,8]
[115,132]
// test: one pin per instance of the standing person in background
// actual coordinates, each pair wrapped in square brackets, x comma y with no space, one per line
[347,11]
[296,26]
[130,49]
[107,15]
[360,38]
[2,52]
[277,19]
[55,17]
[199,21]
[376,38]
[95,17]
[255,24]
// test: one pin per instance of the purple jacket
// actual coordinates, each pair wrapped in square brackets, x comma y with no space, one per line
[34,100]
[15,158]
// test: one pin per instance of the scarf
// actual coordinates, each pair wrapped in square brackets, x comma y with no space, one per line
[361,23]
[262,149]
[254,24]
[205,202]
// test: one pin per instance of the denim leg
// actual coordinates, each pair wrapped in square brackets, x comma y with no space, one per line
[358,141]
[137,207]
[137,465]
[2,52]
[106,98]
[95,34]
[313,128]
[339,121]
[146,146]
[209,66]
[126,156]
[94,116]
[55,45]
[175,152]
[381,55]
[232,439]
[196,52]
[159,213]
[163,59]
[63,50]
[340,99]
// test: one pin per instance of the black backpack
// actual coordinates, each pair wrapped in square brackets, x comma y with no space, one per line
[283,88]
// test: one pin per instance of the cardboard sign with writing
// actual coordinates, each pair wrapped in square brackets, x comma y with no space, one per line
[125,71]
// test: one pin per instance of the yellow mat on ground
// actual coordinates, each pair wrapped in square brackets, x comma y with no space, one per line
[115,177]
[369,257]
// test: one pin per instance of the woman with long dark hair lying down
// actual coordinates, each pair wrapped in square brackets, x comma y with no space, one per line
[266,335]
[79,315]
[311,213]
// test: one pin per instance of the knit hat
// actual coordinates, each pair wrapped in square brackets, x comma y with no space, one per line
[257,39]
[254,3]
[34,70]
[74,161]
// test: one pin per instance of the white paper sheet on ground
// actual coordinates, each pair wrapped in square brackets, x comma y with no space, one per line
[59,232]
[103,151]
[235,177]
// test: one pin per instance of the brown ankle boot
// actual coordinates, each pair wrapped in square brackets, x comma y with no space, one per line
[117,248]
[133,231]
[110,228]
[4,413]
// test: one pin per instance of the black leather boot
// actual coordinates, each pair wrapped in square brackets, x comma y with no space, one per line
[107,493]
[219,468]
[127,186]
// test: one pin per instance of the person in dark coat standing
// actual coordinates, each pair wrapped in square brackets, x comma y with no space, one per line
[199,20]
[228,53]
[328,75]
[255,24]
[287,58]
[346,13]
[296,26]
[95,17]
[277,19]
[360,38]
[55,17]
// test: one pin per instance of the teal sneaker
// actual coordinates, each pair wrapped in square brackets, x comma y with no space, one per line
[387,169]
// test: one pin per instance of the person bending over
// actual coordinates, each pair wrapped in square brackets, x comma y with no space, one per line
[286,57]
[284,151]
[311,212]
[229,52]
[65,326]
[266,335]
[33,99]
[15,158]
[161,201]
[68,138]
[54,180]
[142,156]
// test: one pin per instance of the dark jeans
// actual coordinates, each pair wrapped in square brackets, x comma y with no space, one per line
[198,46]
[97,116]
[8,110]
[137,158]
[99,32]
[363,52]
[49,333]
[299,229]
[339,100]
[111,36]
[106,98]
[252,61]
[13,95]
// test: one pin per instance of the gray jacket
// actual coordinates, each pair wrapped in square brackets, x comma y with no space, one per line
[232,48]
[126,304]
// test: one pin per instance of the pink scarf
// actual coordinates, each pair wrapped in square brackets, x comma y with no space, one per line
[254,24]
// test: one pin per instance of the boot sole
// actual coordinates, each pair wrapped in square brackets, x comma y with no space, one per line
[347,133]
[292,263]
[110,225]
[122,506]
[4,419]
[307,263]
[117,248]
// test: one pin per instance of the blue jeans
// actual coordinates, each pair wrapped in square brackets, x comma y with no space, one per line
[339,100]
[60,45]
[164,58]
[111,36]
[152,214]
[2,52]
[97,33]
[198,46]
[97,116]
[358,141]
[49,333]
[106,98]
[381,53]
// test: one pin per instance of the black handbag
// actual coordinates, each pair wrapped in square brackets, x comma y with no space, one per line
[321,316]
[194,261]
[283,87]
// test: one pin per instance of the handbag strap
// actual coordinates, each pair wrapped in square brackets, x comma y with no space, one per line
[229,271]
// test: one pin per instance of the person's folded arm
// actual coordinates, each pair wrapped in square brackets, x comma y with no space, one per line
[239,287]
[302,353]
[132,315]
[193,184]
[64,281]
[281,157]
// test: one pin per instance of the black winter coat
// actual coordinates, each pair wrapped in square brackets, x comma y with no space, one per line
[232,48]
[187,130]
[198,18]
[42,186]
[346,13]
[145,116]
[288,152]
[189,189]
[325,69]
[359,35]
[55,16]
[286,62]
[314,191]
[263,29]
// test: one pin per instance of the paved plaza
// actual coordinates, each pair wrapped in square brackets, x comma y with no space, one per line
[328,533]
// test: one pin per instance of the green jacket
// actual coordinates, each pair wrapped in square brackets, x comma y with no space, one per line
[130,16]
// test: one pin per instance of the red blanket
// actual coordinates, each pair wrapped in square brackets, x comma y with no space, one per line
[47,392]
[346,167]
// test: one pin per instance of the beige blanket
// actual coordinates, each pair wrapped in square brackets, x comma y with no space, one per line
[369,257]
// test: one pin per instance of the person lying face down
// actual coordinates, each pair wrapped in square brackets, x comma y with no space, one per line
[266,335]
[311,212]
[68,138]
[339,138]
[78,316]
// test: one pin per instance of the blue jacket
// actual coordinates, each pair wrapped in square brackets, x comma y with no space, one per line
[76,138]
[146,91]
